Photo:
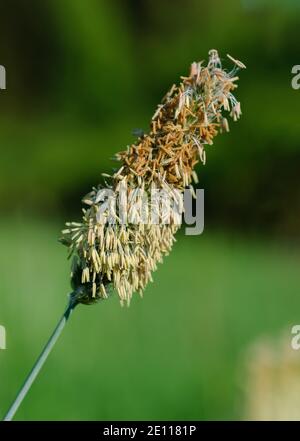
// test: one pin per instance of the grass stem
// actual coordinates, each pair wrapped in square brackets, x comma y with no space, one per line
[41,360]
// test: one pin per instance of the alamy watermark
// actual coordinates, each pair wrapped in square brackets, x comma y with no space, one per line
[2,337]
[154,207]
[2,78]
[296,78]
[2,87]
[295,342]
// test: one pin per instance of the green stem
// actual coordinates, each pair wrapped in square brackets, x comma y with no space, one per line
[41,360]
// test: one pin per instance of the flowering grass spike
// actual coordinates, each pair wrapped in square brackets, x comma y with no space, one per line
[123,255]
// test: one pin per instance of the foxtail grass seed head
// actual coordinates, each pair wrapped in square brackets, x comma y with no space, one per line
[112,253]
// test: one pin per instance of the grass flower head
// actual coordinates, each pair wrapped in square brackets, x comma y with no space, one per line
[123,255]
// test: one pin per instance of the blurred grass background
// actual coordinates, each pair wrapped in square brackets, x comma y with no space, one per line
[80,76]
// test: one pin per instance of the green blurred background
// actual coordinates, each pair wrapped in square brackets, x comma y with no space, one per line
[81,74]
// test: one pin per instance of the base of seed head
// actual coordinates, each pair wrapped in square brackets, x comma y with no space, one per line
[90,292]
